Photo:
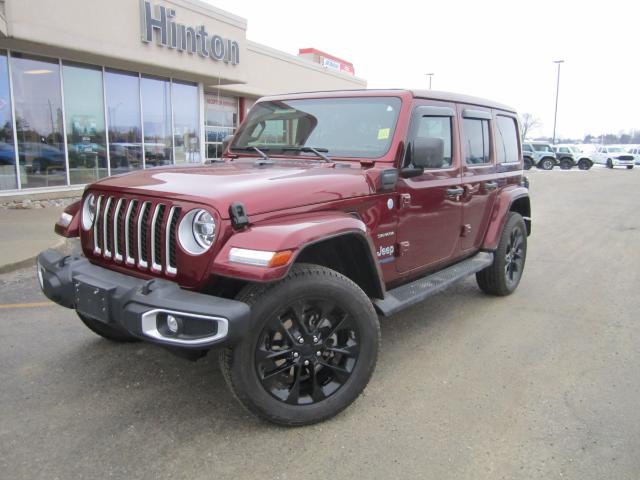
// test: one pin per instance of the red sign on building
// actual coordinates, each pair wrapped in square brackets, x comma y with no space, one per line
[330,62]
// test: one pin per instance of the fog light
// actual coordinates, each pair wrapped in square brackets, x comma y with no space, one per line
[173,325]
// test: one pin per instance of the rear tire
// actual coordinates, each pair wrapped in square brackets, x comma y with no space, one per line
[311,348]
[566,164]
[503,275]
[106,331]
[584,164]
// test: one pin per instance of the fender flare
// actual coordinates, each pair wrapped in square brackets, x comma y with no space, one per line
[501,208]
[296,233]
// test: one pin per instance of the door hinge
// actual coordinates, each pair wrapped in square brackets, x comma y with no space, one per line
[466,230]
[405,200]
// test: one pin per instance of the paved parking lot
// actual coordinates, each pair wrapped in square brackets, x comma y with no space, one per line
[542,384]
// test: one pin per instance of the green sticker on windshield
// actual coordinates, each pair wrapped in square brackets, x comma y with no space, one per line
[383,133]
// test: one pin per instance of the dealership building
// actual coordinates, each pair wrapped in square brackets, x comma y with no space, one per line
[96,88]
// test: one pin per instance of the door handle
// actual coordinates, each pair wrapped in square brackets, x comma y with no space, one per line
[490,185]
[455,192]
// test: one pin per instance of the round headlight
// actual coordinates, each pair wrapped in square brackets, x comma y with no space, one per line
[88,211]
[204,228]
[197,231]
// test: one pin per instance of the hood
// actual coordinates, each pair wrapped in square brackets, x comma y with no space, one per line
[262,189]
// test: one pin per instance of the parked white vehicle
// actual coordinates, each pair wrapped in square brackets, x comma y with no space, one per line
[612,157]
[635,151]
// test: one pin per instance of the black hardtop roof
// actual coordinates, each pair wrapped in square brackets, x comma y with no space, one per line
[426,94]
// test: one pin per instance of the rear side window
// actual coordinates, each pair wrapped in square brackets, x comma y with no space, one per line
[506,140]
[542,148]
[476,141]
[437,127]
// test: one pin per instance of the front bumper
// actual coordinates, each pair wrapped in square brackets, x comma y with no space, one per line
[620,163]
[142,307]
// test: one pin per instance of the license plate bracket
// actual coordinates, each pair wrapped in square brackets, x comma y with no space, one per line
[92,301]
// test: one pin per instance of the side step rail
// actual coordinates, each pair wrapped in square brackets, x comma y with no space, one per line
[414,292]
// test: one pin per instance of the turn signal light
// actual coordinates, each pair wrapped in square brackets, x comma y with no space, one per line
[280,258]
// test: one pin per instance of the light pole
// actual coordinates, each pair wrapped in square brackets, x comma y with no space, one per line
[429,75]
[555,115]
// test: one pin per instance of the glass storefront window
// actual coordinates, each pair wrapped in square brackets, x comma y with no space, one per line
[186,118]
[7,152]
[84,117]
[38,107]
[221,119]
[156,118]
[123,117]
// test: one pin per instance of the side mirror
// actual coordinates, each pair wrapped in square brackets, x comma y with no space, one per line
[225,142]
[425,153]
[428,152]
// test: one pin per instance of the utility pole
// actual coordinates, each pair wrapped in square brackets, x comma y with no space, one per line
[430,75]
[555,115]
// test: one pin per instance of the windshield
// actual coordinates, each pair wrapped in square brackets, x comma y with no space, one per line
[342,127]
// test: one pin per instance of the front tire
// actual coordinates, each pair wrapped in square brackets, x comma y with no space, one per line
[311,349]
[546,164]
[503,275]
[629,167]
[528,163]
[106,331]
[609,163]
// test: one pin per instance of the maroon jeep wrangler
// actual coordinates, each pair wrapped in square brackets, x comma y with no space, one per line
[327,210]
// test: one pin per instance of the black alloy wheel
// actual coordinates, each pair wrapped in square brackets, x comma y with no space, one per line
[514,258]
[307,351]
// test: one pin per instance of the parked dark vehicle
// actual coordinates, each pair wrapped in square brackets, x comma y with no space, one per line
[329,209]
[568,156]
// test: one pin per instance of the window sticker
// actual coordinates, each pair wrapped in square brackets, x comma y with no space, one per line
[383,133]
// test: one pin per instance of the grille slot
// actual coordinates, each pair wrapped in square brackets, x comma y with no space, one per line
[129,232]
[118,240]
[170,236]
[97,234]
[156,237]
[143,217]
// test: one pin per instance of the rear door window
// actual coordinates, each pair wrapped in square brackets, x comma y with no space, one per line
[506,140]
[476,141]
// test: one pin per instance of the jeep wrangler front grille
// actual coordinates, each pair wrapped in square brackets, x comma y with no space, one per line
[136,232]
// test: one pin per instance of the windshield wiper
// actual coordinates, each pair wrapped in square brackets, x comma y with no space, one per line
[265,157]
[318,151]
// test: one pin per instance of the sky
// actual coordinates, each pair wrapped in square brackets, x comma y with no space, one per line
[502,50]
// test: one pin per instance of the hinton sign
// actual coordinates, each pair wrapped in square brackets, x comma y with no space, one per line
[194,40]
